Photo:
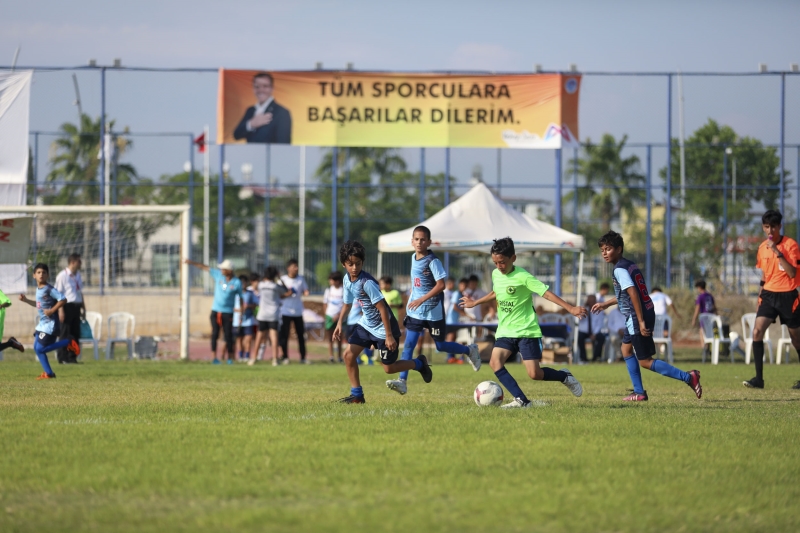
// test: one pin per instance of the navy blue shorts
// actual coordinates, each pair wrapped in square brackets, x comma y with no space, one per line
[246,330]
[361,337]
[643,347]
[529,349]
[438,328]
[44,339]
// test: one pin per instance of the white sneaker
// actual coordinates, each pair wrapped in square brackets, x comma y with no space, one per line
[397,385]
[516,403]
[474,357]
[572,384]
[274,362]
[305,362]
[285,361]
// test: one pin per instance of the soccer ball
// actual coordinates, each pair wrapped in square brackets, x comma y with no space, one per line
[488,393]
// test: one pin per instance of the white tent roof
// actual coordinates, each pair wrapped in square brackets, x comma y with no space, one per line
[472,222]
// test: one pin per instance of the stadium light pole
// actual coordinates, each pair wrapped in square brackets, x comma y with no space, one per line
[267,195]
[191,188]
[421,184]
[575,210]
[557,281]
[334,202]
[221,204]
[725,153]
[783,139]
[668,203]
[447,198]
[347,194]
[649,236]
[101,262]
[35,191]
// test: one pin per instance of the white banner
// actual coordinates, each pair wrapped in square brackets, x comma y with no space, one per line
[15,239]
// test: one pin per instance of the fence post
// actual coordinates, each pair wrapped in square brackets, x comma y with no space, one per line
[35,191]
[557,283]
[783,135]
[221,205]
[347,194]
[447,199]
[668,203]
[191,193]
[724,214]
[575,211]
[649,236]
[101,262]
[267,195]
[334,203]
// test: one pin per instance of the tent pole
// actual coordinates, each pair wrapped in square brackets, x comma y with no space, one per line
[577,302]
[557,279]
[380,265]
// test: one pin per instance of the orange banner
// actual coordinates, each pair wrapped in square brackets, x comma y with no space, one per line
[323,108]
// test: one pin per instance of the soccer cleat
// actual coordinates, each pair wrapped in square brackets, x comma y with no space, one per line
[694,384]
[397,385]
[517,403]
[425,371]
[474,357]
[285,361]
[572,384]
[754,383]
[796,385]
[274,362]
[216,362]
[230,361]
[45,375]
[16,344]
[635,397]
[251,362]
[352,399]
[305,362]
[452,361]
[74,348]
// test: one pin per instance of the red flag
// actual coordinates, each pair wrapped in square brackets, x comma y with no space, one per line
[201,143]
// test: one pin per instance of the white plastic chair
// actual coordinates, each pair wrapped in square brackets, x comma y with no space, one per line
[120,329]
[664,322]
[784,345]
[95,321]
[707,323]
[748,324]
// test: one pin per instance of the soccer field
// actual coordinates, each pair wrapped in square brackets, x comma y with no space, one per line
[170,446]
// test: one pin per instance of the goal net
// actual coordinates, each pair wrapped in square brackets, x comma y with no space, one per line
[132,261]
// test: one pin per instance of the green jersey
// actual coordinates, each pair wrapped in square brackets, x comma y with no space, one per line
[3,300]
[515,314]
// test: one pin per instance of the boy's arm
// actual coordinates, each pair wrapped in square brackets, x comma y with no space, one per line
[391,343]
[696,314]
[469,303]
[574,310]
[55,308]
[637,307]
[675,310]
[337,333]
[600,307]
[23,298]
[438,288]
[201,266]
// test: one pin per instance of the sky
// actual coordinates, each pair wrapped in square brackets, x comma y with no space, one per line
[502,36]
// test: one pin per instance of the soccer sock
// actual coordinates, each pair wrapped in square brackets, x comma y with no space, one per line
[635,373]
[758,358]
[412,337]
[41,355]
[666,369]
[4,345]
[417,365]
[550,374]
[55,346]
[510,384]
[356,391]
[451,348]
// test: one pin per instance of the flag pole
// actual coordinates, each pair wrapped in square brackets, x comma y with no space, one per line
[206,207]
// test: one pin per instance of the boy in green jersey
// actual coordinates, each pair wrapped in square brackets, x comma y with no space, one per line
[11,342]
[518,329]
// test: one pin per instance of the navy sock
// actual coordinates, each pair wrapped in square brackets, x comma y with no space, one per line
[758,359]
[666,369]
[551,374]
[510,384]
[41,355]
[417,365]
[451,348]
[635,373]
[356,391]
[412,337]
[63,343]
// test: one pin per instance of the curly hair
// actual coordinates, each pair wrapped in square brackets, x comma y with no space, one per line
[504,247]
[350,249]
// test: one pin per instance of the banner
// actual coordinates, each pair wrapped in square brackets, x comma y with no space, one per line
[15,239]
[320,108]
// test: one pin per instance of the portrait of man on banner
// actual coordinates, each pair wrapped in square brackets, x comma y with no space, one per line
[266,121]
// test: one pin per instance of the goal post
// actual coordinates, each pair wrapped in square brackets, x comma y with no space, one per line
[144,242]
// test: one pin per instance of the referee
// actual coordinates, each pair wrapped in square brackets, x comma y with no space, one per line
[70,284]
[778,258]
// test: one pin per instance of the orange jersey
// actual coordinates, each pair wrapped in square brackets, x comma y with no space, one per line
[775,277]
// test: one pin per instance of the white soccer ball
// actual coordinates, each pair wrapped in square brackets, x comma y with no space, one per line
[488,393]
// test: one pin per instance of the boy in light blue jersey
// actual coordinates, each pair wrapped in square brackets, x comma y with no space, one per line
[353,318]
[48,302]
[377,327]
[425,309]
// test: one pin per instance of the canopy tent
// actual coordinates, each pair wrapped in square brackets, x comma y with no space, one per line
[471,223]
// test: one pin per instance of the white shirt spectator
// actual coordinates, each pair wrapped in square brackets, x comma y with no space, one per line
[334,298]
[70,285]
[293,305]
[476,313]
[660,302]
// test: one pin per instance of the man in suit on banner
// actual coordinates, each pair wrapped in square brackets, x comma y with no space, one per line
[265,122]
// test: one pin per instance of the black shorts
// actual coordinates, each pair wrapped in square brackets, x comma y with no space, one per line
[529,349]
[437,328]
[643,347]
[44,339]
[361,337]
[244,331]
[783,305]
[264,325]
[452,329]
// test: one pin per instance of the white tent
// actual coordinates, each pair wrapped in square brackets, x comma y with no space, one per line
[472,222]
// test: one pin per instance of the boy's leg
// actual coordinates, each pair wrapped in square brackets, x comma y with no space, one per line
[12,343]
[227,331]
[215,321]
[412,338]
[41,353]
[500,355]
[531,352]
[283,337]
[273,339]
[300,330]
[351,364]
[633,366]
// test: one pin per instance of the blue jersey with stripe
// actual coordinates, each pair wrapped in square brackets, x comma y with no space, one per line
[367,292]
[425,273]
[626,275]
[46,298]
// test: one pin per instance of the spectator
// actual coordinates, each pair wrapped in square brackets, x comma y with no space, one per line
[591,328]
[453,314]
[616,331]
[292,311]
[269,313]
[703,304]
[392,296]
[662,303]
[248,323]
[476,293]
[70,284]
[334,301]
[602,293]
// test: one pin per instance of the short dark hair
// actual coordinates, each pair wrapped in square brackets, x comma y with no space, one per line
[271,273]
[243,279]
[423,229]
[605,285]
[656,289]
[41,266]
[463,280]
[772,218]
[73,257]
[389,280]
[254,277]
[451,278]
[335,276]
[700,284]
[352,249]
[264,75]
[612,239]
[473,277]
[504,247]
[291,262]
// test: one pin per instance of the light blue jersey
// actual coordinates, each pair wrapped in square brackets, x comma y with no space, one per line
[248,313]
[425,273]
[46,298]
[225,291]
[355,313]
[366,291]
[452,315]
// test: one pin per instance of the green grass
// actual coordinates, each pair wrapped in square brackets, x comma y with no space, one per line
[168,446]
